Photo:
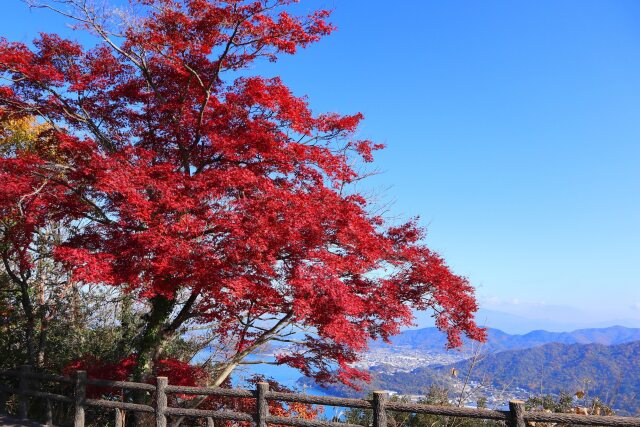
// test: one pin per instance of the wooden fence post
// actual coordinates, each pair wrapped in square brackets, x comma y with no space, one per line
[119,418]
[516,407]
[379,412]
[23,398]
[3,402]
[49,413]
[262,406]
[161,401]
[80,394]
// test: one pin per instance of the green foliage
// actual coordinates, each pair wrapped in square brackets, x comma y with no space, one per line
[568,403]
[482,403]
[611,372]
[562,403]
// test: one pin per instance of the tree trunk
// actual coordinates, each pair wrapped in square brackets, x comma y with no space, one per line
[30,330]
[42,339]
[149,347]
[127,325]
[44,324]
[27,307]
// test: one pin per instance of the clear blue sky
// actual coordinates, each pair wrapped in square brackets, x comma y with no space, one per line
[513,131]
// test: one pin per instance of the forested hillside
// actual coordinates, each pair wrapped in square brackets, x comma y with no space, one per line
[611,372]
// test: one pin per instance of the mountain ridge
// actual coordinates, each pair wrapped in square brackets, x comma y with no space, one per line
[432,339]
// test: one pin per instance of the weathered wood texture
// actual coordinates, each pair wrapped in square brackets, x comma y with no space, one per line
[380,399]
[449,411]
[3,401]
[161,401]
[119,417]
[516,407]
[121,384]
[135,407]
[48,413]
[210,391]
[50,396]
[23,397]
[585,420]
[216,415]
[262,406]
[319,400]
[80,397]
[380,404]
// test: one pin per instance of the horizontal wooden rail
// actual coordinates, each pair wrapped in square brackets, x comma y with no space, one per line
[449,411]
[216,415]
[516,416]
[319,400]
[50,396]
[121,384]
[585,420]
[210,391]
[112,404]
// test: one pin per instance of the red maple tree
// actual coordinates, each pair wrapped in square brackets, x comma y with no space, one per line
[210,196]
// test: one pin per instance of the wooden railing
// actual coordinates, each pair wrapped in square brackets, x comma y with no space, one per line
[516,416]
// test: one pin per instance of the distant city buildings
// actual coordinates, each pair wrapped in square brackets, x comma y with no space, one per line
[405,359]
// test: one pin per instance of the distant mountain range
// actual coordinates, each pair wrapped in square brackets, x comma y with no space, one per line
[531,317]
[431,339]
[602,362]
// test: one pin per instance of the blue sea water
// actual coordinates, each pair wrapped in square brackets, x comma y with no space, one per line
[282,374]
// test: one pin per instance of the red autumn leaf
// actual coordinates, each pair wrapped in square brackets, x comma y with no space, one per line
[212,197]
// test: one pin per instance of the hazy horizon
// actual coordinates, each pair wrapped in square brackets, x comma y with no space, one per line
[520,323]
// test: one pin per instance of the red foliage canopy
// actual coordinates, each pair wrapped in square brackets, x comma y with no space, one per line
[177,178]
[177,372]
